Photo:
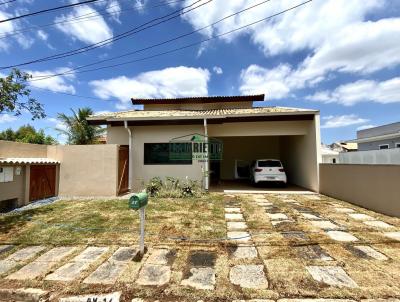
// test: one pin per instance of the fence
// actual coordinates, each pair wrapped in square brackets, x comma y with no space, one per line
[375,157]
[374,187]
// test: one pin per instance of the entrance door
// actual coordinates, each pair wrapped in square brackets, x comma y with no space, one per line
[123,170]
[215,171]
[42,182]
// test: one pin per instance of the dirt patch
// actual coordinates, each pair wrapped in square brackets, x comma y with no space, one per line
[202,259]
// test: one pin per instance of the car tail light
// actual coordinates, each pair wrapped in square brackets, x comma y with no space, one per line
[281,170]
[257,170]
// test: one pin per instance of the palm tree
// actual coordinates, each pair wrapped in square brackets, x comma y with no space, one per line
[78,131]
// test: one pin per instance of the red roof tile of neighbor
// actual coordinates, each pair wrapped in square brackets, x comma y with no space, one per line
[197,100]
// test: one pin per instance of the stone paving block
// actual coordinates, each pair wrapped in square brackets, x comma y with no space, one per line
[277,216]
[112,297]
[200,278]
[393,235]
[370,252]
[344,210]
[331,275]
[244,252]
[312,252]
[23,294]
[232,210]
[248,276]
[233,216]
[109,271]
[295,235]
[381,300]
[236,225]
[239,236]
[20,256]
[359,216]
[156,275]
[290,200]
[5,248]
[43,264]
[161,257]
[72,270]
[378,224]
[325,225]
[202,259]
[277,223]
[310,216]
[316,300]
[341,236]
[254,300]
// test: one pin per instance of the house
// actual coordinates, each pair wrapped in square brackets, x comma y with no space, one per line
[329,155]
[378,138]
[343,147]
[211,139]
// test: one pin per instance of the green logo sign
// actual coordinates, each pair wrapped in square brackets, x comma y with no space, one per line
[195,147]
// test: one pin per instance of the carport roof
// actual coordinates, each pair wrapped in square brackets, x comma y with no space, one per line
[284,113]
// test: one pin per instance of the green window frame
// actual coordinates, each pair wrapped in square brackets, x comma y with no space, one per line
[160,154]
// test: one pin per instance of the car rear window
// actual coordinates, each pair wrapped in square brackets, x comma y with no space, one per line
[269,163]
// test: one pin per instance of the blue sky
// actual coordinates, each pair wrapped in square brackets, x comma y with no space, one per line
[341,57]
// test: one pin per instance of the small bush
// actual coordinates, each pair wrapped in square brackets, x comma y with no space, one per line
[154,187]
[173,188]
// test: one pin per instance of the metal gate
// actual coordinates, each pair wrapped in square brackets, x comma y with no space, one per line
[42,182]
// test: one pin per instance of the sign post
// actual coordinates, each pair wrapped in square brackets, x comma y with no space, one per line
[139,202]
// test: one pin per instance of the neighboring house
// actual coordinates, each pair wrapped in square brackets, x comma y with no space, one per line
[329,156]
[344,147]
[244,132]
[378,138]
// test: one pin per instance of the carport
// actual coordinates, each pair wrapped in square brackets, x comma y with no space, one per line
[294,139]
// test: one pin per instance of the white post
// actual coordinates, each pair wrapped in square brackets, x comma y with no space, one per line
[206,162]
[141,240]
[130,171]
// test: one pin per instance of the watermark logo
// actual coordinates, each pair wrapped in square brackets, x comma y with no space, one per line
[195,147]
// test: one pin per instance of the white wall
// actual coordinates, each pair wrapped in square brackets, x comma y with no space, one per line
[389,156]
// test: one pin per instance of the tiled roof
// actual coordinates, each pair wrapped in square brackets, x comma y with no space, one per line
[27,160]
[201,100]
[193,114]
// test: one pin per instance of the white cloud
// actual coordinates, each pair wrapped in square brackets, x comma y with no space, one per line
[42,35]
[170,82]
[114,9]
[88,31]
[57,84]
[361,91]
[338,121]
[363,127]
[7,118]
[24,41]
[218,70]
[140,5]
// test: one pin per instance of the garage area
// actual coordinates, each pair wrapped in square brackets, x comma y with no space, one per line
[294,143]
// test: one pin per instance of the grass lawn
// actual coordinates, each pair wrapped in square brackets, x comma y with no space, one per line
[106,222]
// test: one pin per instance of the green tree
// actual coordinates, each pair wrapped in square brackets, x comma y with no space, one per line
[78,130]
[27,134]
[15,96]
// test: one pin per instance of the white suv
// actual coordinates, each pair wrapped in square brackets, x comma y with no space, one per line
[267,170]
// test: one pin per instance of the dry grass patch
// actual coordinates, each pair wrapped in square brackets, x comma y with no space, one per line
[108,222]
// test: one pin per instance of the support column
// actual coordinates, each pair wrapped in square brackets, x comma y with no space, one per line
[206,162]
[130,171]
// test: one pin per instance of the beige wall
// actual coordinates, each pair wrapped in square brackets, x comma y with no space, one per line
[15,188]
[246,148]
[14,149]
[86,170]
[301,156]
[374,187]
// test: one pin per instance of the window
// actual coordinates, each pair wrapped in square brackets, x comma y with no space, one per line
[397,145]
[160,154]
[334,160]
[385,146]
[6,174]
[269,164]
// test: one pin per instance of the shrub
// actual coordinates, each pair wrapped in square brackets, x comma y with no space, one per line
[154,187]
